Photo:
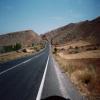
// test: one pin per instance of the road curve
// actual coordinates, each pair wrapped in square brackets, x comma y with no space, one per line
[20,79]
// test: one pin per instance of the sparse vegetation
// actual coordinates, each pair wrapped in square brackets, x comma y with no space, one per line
[73,50]
[24,50]
[25,38]
[81,61]
[16,51]
[70,47]
[10,48]
[12,55]
[17,46]
[75,32]
[55,51]
[38,46]
[76,49]
[83,75]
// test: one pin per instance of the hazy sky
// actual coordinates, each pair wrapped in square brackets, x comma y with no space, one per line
[44,15]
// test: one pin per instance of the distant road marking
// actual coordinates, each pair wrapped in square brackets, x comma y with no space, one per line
[19,64]
[15,66]
[27,61]
[42,82]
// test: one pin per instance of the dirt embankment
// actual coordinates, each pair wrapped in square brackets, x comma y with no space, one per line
[84,73]
[4,57]
[83,68]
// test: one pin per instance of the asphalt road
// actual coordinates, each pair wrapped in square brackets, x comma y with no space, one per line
[58,84]
[20,79]
[51,84]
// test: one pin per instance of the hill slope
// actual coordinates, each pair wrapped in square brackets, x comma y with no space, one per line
[26,38]
[86,30]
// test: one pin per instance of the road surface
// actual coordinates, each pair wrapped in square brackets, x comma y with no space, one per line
[58,84]
[20,79]
[33,78]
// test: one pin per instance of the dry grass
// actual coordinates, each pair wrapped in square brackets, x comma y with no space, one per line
[74,44]
[82,75]
[87,54]
[18,54]
[79,50]
[38,47]
[12,56]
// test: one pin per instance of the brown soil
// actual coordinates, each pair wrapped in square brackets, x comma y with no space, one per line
[92,89]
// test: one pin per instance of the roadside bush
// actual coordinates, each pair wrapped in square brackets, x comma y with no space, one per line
[76,50]
[36,48]
[17,46]
[10,48]
[72,50]
[55,51]
[86,75]
[24,50]
[70,68]
[70,47]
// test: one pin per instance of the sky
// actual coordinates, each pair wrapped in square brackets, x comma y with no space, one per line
[44,15]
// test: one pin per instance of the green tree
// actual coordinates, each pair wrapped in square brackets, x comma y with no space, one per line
[17,46]
[10,48]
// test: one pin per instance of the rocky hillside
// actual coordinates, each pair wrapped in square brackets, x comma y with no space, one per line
[86,30]
[25,38]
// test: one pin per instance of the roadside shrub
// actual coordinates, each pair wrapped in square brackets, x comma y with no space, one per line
[70,47]
[76,50]
[70,68]
[17,46]
[72,50]
[55,51]
[24,50]
[36,48]
[10,48]
[86,75]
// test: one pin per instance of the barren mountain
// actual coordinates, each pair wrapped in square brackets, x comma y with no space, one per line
[26,38]
[86,30]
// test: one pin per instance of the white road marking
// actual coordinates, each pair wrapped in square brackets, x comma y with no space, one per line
[42,82]
[27,60]
[19,64]
[14,66]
